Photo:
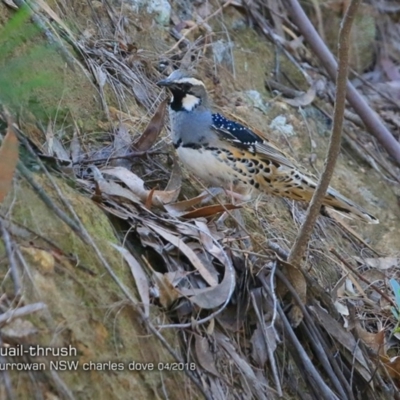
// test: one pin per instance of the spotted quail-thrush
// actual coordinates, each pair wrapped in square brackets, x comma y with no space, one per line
[227,154]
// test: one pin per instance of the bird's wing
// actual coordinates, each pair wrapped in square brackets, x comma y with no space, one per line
[244,138]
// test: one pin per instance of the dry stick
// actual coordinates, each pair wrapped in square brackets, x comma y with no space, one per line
[11,259]
[314,208]
[371,120]
[21,312]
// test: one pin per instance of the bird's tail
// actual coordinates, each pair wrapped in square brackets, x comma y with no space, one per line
[345,206]
[333,199]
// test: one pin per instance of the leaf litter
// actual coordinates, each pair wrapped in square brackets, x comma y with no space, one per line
[208,265]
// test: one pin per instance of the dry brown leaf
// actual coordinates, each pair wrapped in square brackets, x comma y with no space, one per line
[168,293]
[209,211]
[179,208]
[8,161]
[208,241]
[153,129]
[139,276]
[149,201]
[375,341]
[186,250]
[204,355]
[393,367]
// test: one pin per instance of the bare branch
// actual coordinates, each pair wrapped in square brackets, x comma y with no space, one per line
[314,208]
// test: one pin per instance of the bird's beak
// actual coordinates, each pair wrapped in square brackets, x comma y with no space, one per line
[165,83]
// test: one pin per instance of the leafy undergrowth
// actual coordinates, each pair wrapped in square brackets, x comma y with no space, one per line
[204,285]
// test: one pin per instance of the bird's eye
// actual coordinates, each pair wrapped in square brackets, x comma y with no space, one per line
[186,87]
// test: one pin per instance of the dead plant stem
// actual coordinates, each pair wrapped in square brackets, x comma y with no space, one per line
[303,237]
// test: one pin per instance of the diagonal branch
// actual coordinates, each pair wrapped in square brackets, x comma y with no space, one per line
[371,120]
[304,235]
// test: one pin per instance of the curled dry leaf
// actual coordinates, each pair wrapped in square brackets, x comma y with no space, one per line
[8,161]
[153,129]
[303,100]
[136,185]
[213,297]
[139,275]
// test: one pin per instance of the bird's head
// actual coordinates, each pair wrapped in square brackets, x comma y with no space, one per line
[188,93]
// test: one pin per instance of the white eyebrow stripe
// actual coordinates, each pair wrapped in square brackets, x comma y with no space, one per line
[192,81]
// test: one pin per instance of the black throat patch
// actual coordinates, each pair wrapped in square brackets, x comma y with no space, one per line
[177,102]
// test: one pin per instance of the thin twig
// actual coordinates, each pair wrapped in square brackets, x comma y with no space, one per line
[10,255]
[124,157]
[371,120]
[314,208]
